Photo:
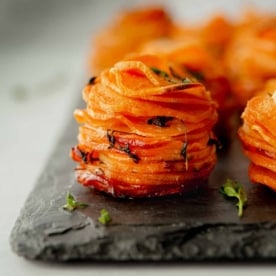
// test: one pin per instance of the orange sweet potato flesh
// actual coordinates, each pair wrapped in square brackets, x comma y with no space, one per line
[250,57]
[127,31]
[144,131]
[262,175]
[258,137]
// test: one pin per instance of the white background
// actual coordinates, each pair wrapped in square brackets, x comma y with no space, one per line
[44,48]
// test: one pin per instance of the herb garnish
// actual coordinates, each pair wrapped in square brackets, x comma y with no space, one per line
[104,218]
[196,74]
[159,72]
[213,141]
[174,74]
[175,77]
[178,77]
[113,144]
[127,150]
[234,189]
[160,121]
[72,204]
[183,153]
[86,157]
[82,154]
[186,80]
[92,80]
[111,138]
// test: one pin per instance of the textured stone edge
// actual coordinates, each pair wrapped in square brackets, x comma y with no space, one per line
[178,242]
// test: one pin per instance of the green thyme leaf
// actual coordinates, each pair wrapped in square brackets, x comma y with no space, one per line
[104,218]
[234,189]
[178,77]
[159,72]
[184,153]
[186,80]
[111,138]
[124,148]
[196,74]
[213,141]
[92,80]
[72,204]
[160,121]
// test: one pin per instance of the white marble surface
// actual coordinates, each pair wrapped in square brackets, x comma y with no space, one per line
[43,53]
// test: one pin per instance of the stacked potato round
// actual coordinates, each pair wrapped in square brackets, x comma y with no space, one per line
[146,130]
[251,57]
[198,62]
[258,137]
[127,31]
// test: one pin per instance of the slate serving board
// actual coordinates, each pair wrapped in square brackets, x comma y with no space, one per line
[202,227]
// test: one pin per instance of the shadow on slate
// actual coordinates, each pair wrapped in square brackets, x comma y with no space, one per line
[202,227]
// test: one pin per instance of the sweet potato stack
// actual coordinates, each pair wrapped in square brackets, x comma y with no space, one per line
[197,62]
[258,136]
[146,130]
[250,57]
[127,31]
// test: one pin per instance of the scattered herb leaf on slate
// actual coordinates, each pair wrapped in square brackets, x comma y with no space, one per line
[234,189]
[72,204]
[104,218]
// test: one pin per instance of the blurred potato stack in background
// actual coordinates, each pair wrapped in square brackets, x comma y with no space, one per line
[232,58]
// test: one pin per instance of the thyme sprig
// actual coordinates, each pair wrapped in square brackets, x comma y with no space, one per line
[160,121]
[72,204]
[104,217]
[159,72]
[178,77]
[174,78]
[184,153]
[234,189]
[127,150]
[196,74]
[213,141]
[124,148]
[92,80]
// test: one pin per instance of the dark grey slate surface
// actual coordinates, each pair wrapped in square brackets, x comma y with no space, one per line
[192,228]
